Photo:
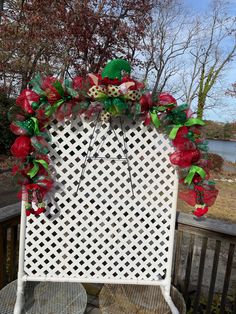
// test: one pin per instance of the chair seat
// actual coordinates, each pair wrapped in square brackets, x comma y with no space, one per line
[46,297]
[131,299]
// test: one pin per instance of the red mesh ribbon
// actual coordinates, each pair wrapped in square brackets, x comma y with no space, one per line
[25,100]
[185,158]
[181,142]
[190,196]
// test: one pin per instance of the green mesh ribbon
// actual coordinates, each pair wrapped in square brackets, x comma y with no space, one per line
[115,106]
[31,126]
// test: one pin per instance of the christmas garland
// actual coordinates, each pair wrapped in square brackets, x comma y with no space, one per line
[108,94]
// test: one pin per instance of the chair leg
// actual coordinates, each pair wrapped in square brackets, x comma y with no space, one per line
[166,295]
[19,297]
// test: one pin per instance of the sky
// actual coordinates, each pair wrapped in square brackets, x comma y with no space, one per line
[226,113]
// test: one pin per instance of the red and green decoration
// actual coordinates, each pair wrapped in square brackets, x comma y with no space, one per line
[107,94]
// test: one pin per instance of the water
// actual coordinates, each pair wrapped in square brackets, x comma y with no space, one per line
[225,149]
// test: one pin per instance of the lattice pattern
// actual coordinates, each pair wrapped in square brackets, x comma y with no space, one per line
[118,225]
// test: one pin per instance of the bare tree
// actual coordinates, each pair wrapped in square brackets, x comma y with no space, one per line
[231,91]
[210,54]
[168,39]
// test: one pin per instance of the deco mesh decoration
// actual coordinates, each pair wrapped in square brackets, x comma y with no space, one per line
[104,99]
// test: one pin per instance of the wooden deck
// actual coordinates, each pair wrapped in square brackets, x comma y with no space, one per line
[204,261]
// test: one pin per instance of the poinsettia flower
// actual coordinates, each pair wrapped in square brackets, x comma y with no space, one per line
[25,100]
[21,148]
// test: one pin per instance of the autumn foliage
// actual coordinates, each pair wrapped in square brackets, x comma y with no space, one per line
[65,38]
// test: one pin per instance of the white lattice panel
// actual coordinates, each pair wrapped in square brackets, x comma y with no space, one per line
[119,225]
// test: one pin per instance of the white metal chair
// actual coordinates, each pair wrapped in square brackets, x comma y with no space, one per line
[112,216]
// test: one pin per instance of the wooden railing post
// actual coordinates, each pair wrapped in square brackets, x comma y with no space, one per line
[3,255]
[9,223]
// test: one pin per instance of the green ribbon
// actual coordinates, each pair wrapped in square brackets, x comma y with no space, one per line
[32,173]
[189,122]
[174,131]
[51,109]
[155,120]
[154,116]
[192,171]
[193,121]
[36,125]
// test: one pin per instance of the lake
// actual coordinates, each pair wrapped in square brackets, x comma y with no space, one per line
[225,149]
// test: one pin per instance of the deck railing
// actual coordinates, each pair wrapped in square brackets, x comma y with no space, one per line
[203,268]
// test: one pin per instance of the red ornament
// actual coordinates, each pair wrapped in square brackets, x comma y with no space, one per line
[21,148]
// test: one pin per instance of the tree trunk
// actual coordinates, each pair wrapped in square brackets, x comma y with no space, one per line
[200,110]
[24,81]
